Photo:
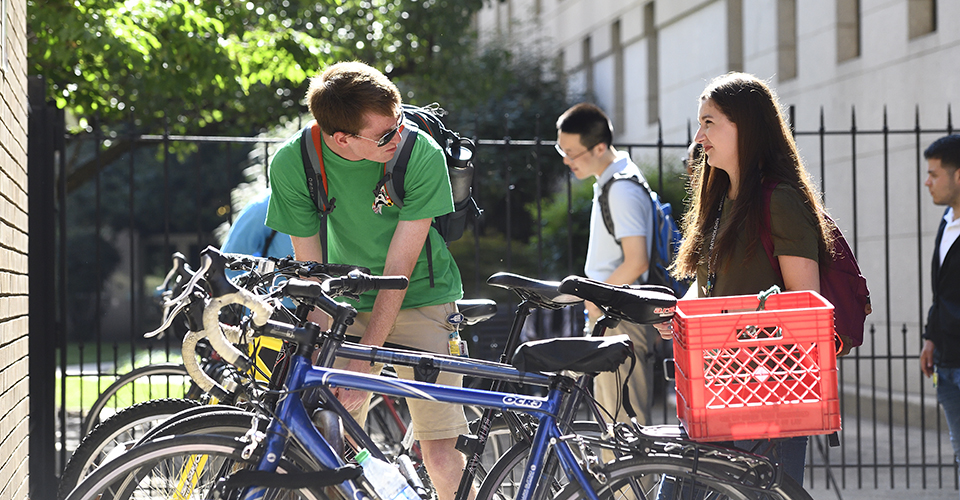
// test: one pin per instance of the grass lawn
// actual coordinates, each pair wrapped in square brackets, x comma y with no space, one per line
[82,391]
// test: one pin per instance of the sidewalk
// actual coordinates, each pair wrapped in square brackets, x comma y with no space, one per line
[870,493]
[902,446]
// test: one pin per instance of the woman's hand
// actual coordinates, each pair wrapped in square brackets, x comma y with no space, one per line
[665,330]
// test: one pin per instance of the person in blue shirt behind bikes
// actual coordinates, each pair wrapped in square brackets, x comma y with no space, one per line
[248,234]
[746,141]
[359,115]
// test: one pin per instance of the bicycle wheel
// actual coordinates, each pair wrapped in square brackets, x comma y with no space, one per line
[503,479]
[123,392]
[666,477]
[388,421]
[163,428]
[115,435]
[178,467]
[499,441]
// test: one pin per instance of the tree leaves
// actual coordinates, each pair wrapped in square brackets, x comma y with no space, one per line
[227,66]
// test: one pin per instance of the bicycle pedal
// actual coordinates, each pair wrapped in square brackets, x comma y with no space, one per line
[467,444]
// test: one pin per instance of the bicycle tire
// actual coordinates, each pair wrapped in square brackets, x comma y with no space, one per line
[503,479]
[643,477]
[121,429]
[234,422]
[155,468]
[229,421]
[160,369]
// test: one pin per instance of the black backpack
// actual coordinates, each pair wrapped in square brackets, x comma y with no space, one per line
[458,152]
[666,234]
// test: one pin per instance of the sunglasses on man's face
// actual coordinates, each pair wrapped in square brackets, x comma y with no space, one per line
[386,138]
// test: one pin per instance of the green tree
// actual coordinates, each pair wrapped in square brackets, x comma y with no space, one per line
[499,92]
[227,66]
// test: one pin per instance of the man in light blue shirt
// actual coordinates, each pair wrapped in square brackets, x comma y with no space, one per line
[620,257]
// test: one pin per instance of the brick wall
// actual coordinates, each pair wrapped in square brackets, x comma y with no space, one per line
[14,402]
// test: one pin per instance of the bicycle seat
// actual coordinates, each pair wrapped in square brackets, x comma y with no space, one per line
[542,293]
[476,310]
[641,304]
[579,354]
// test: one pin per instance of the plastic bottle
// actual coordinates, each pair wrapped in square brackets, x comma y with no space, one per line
[386,479]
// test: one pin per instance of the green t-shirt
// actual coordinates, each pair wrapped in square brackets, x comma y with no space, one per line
[794,232]
[358,235]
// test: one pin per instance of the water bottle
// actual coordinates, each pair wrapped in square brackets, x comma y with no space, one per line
[386,479]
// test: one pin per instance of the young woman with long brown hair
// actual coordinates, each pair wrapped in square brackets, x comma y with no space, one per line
[746,144]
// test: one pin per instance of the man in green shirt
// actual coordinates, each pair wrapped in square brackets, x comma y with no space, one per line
[359,115]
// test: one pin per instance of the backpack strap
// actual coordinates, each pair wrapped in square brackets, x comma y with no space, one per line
[604,200]
[395,170]
[311,151]
[268,242]
[394,173]
[766,238]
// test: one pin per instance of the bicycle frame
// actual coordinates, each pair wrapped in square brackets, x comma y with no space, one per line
[301,375]
[292,419]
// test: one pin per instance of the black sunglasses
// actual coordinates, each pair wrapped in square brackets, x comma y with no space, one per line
[386,138]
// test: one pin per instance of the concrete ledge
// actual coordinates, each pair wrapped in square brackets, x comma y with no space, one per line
[909,409]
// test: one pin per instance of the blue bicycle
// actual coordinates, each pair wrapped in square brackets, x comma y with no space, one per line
[292,459]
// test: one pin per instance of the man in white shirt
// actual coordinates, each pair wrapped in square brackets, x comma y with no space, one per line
[940,356]
[584,137]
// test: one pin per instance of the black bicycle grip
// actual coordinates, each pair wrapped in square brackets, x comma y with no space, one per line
[390,282]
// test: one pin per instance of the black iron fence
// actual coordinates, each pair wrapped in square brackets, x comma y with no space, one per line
[126,201]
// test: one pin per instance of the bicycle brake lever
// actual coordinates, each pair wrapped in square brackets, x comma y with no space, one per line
[168,321]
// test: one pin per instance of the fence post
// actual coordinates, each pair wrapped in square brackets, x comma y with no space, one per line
[45,133]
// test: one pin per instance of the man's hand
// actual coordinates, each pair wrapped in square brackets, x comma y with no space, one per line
[926,358]
[353,399]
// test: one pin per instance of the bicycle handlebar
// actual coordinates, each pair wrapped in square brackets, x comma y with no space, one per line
[288,266]
[357,282]
[222,293]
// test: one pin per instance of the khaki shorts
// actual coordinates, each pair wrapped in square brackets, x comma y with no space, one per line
[426,329]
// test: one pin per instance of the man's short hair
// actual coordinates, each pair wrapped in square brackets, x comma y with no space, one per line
[946,149]
[589,121]
[345,92]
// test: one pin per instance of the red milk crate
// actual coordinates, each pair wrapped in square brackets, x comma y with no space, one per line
[748,374]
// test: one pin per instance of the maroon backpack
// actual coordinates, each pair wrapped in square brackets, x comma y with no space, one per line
[841,283]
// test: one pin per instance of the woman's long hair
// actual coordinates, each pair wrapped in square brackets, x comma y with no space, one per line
[766,151]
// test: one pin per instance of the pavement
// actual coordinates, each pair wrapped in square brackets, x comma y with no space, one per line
[922,457]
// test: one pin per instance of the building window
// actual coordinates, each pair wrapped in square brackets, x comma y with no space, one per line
[786,39]
[587,63]
[4,61]
[735,35]
[653,66]
[848,29]
[618,85]
[922,16]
